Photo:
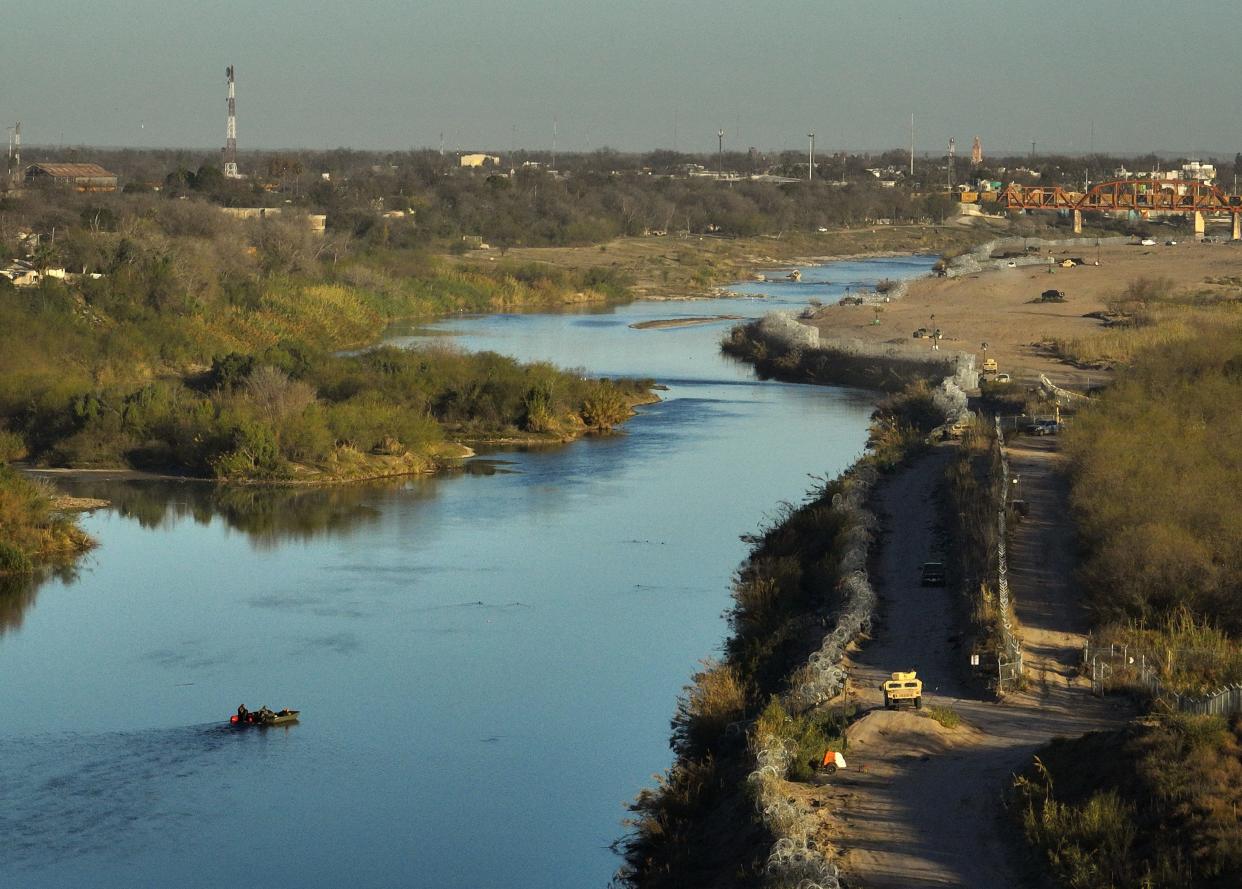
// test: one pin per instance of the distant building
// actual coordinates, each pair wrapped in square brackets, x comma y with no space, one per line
[82,177]
[24,274]
[21,274]
[317,222]
[1205,173]
[1194,171]
[479,160]
[251,212]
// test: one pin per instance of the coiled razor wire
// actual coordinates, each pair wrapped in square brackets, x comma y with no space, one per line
[795,861]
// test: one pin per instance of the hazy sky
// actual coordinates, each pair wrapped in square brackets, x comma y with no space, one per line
[630,74]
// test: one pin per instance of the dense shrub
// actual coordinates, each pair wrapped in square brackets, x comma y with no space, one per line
[1156,464]
[1152,805]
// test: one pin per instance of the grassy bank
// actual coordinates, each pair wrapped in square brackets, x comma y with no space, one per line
[678,266]
[33,532]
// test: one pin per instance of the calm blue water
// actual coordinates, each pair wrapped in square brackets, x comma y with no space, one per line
[487,662]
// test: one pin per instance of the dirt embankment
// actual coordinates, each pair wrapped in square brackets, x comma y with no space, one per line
[919,804]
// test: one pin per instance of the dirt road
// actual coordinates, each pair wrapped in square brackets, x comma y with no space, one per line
[919,805]
[1041,562]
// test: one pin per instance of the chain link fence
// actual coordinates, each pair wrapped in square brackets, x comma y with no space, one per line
[1120,667]
[1009,658]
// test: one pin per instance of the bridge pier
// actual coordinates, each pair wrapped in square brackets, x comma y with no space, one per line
[1078,222]
[1200,224]
[1237,227]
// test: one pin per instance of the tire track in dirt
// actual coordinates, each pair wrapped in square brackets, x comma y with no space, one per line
[920,803]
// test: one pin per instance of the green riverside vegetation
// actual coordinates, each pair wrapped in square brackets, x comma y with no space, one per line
[33,531]
[207,346]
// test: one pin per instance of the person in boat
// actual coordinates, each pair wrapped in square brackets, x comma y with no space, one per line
[242,713]
[265,714]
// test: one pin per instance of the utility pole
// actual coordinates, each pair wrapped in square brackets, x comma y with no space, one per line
[553,142]
[911,145]
[810,157]
[14,170]
[720,155]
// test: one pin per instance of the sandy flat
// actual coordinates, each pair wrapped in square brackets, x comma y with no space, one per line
[664,323]
[995,306]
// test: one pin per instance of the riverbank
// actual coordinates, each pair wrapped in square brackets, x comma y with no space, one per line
[674,267]
[782,348]
[36,531]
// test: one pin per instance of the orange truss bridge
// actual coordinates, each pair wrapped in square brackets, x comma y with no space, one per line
[1143,196]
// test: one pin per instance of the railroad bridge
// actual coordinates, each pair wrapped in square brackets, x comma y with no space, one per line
[1142,196]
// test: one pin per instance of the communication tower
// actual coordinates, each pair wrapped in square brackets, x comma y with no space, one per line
[15,153]
[952,160]
[230,132]
[976,153]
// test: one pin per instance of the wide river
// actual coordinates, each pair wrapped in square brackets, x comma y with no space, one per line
[486,661]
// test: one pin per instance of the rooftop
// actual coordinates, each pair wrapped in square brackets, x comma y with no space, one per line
[73,171]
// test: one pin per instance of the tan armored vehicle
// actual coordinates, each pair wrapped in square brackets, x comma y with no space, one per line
[903,688]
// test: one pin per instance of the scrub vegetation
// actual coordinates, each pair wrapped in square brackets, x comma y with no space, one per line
[1156,466]
[1155,469]
[1152,805]
[972,483]
[1150,314]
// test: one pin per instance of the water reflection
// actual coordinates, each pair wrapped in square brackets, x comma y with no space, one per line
[269,516]
[19,591]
